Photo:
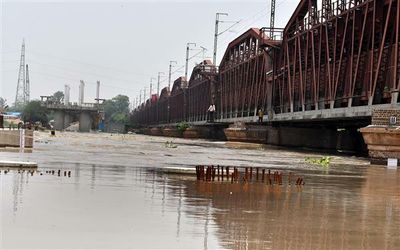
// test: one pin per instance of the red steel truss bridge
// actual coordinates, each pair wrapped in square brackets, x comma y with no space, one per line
[334,60]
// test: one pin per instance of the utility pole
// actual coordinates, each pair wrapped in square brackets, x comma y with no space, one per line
[272,20]
[158,82]
[187,58]
[216,36]
[151,87]
[140,97]
[170,72]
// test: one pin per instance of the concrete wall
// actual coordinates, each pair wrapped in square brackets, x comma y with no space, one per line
[10,138]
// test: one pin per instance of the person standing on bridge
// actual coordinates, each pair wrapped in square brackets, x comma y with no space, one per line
[260,115]
[211,111]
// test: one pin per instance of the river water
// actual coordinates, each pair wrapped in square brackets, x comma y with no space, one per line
[118,196]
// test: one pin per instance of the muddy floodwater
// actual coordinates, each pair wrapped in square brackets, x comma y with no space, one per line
[119,196]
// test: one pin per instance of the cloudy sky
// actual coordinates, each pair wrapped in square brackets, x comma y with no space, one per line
[123,44]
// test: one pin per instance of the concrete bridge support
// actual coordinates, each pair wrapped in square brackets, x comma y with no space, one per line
[67,120]
[326,137]
[85,122]
[59,120]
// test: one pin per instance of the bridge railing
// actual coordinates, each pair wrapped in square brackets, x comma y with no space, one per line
[320,16]
[272,33]
[92,106]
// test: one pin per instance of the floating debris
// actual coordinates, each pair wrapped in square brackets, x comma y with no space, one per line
[170,144]
[323,162]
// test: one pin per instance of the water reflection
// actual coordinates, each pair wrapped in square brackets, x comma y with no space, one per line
[144,208]
[336,213]
[18,188]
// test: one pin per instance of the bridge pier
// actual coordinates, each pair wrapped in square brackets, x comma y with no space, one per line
[88,115]
[340,136]
[67,120]
[246,133]
[85,122]
[59,120]
[328,138]
[383,136]
[213,131]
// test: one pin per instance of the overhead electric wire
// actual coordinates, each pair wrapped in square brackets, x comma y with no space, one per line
[245,26]
[76,80]
[33,62]
[89,64]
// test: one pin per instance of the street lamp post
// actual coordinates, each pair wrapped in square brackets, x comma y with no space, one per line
[158,82]
[151,88]
[216,36]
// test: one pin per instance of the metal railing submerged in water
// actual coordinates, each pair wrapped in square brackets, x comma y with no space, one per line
[245,175]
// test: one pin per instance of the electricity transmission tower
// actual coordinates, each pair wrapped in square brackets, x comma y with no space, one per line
[27,86]
[23,92]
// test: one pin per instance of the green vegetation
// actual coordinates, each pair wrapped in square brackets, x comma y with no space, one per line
[58,97]
[35,112]
[117,109]
[182,126]
[323,162]
[8,124]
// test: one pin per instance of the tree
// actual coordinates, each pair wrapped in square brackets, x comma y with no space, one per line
[3,103]
[120,118]
[35,112]
[117,109]
[58,97]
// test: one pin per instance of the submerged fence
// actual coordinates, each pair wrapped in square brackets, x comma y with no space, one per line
[246,175]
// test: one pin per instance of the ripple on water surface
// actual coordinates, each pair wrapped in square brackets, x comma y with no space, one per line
[128,204]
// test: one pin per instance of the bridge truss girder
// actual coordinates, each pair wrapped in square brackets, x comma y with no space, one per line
[344,55]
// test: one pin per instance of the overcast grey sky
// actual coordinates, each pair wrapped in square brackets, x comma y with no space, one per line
[120,43]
